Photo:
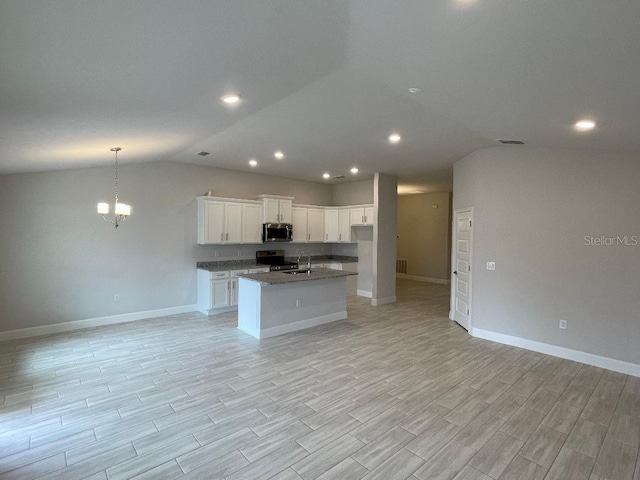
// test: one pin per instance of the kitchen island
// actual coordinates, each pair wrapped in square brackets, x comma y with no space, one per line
[275,303]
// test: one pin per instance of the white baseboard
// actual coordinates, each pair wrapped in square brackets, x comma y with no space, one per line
[441,281]
[562,352]
[376,302]
[451,317]
[365,293]
[295,326]
[94,322]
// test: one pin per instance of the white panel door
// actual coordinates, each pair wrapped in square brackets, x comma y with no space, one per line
[315,217]
[331,227]
[214,222]
[233,221]
[299,221]
[344,226]
[284,207]
[461,284]
[220,290]
[251,223]
[271,210]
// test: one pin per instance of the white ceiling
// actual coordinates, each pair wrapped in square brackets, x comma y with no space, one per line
[325,81]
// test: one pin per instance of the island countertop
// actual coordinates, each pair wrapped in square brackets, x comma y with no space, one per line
[277,278]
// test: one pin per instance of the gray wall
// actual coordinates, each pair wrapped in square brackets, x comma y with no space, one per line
[532,211]
[423,233]
[353,193]
[60,262]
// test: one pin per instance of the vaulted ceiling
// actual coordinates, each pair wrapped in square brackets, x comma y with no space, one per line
[324,81]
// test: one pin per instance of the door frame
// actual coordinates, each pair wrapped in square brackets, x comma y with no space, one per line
[454,241]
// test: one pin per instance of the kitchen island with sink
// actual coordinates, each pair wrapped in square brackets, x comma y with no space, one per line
[275,303]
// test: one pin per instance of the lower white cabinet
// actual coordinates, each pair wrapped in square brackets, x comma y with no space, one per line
[214,291]
[218,291]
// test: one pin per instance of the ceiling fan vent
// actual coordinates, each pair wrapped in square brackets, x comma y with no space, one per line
[202,154]
[511,142]
[339,176]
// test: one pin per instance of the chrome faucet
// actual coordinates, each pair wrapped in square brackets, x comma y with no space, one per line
[308,261]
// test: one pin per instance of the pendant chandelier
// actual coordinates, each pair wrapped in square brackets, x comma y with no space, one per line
[121,211]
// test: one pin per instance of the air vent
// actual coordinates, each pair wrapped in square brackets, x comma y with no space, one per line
[202,154]
[511,142]
[339,176]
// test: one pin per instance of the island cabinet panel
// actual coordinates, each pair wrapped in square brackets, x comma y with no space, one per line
[267,310]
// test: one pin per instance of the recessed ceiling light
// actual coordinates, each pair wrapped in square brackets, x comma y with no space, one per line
[279,155]
[584,125]
[231,99]
[253,162]
[354,170]
[326,175]
[394,138]
[415,90]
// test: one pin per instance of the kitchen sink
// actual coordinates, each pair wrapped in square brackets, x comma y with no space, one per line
[298,272]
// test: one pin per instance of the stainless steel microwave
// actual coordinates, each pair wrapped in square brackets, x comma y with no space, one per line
[277,232]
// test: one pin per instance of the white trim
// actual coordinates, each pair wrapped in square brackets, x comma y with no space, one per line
[218,311]
[562,352]
[376,302]
[295,326]
[365,293]
[451,315]
[441,281]
[94,322]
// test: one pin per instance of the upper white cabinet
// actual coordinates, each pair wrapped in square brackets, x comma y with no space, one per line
[315,226]
[331,225]
[227,221]
[251,223]
[344,225]
[300,224]
[362,215]
[277,209]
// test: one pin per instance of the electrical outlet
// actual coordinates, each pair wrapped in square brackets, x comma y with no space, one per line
[563,324]
[297,303]
[491,265]
[116,297]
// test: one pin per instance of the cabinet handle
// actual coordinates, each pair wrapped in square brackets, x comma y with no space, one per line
[326,236]
[365,219]
[340,236]
[362,218]
[309,235]
[227,237]
[222,237]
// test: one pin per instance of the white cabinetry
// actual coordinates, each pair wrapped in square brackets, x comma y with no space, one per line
[331,225]
[361,215]
[228,221]
[277,209]
[337,225]
[315,224]
[233,286]
[300,224]
[251,223]
[213,291]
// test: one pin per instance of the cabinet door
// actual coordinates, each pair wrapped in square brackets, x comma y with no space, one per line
[299,221]
[220,293]
[285,211]
[233,222]
[251,223]
[331,227]
[344,225]
[213,222]
[357,216]
[271,210]
[315,217]
[233,297]
[368,215]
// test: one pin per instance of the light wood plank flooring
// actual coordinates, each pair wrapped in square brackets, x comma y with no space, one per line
[395,392]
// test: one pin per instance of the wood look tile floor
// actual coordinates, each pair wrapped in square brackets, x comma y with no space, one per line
[395,392]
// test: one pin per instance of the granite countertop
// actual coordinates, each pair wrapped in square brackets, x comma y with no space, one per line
[241,264]
[277,278]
